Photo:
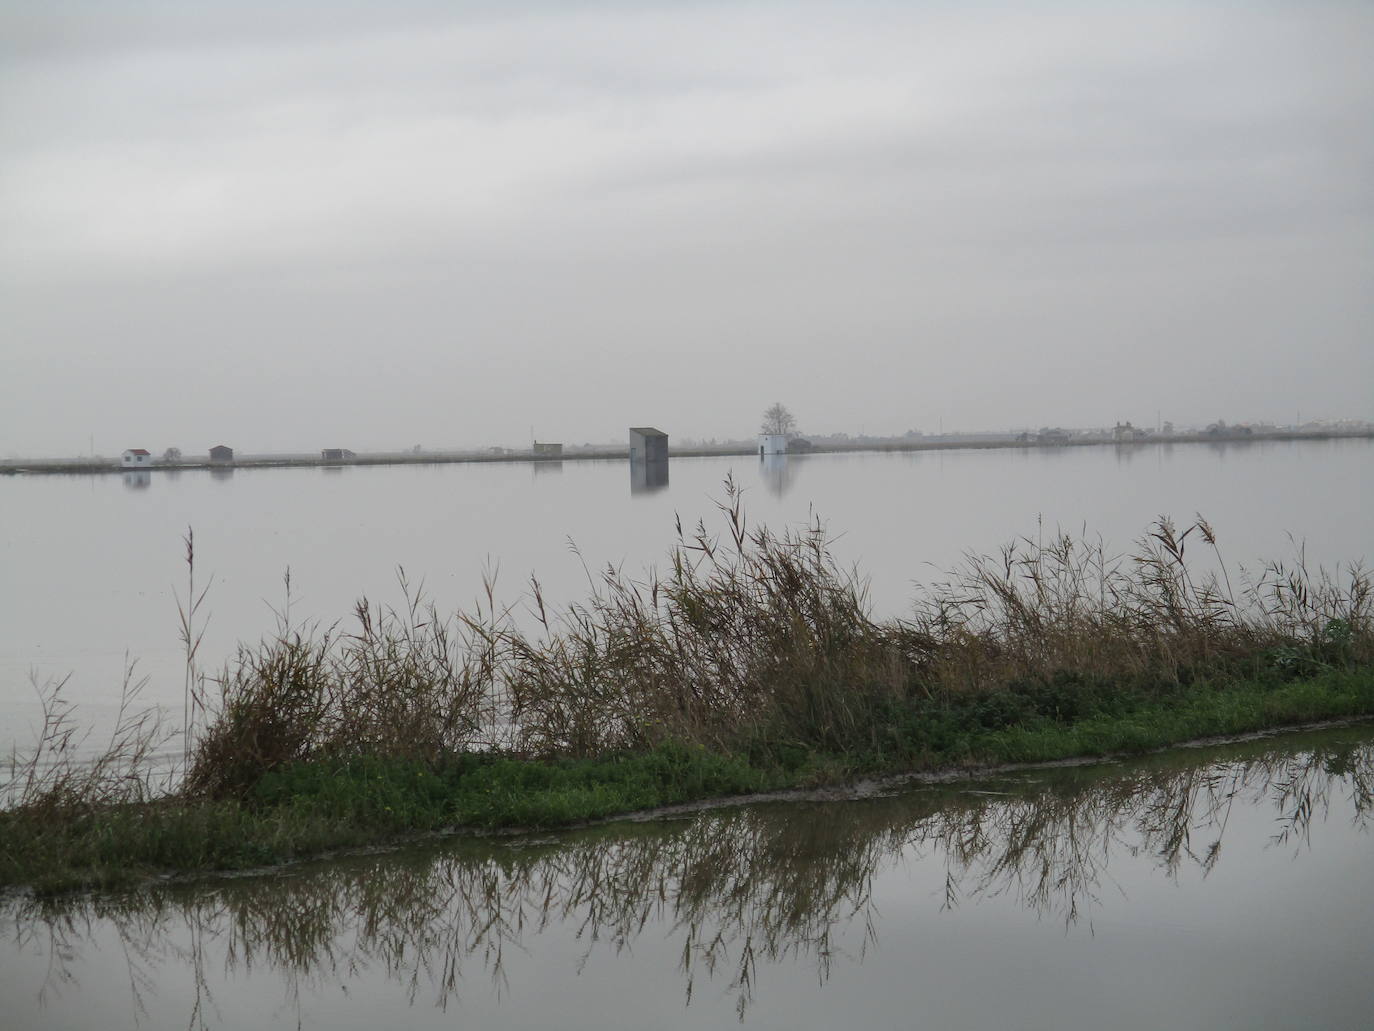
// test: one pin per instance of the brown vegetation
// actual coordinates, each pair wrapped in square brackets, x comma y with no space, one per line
[750,635]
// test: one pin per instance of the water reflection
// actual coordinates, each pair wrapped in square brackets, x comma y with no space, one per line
[734,890]
[777,473]
[137,479]
[648,477]
[1127,452]
[546,468]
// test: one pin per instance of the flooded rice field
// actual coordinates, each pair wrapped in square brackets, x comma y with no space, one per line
[1222,887]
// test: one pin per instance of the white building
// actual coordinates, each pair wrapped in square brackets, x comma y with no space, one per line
[136,458]
[772,443]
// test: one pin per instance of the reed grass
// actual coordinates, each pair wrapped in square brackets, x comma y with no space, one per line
[751,640]
[751,660]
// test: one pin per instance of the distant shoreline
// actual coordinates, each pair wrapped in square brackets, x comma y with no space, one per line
[11,467]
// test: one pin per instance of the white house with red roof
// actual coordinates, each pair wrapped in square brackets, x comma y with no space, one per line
[136,458]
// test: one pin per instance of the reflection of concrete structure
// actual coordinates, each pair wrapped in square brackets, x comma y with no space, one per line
[547,450]
[648,477]
[137,479]
[543,468]
[648,444]
[777,474]
[136,458]
[223,471]
[219,454]
[772,443]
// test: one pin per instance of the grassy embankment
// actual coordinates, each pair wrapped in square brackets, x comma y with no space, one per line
[750,664]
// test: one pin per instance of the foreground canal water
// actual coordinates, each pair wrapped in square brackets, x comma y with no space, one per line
[1226,887]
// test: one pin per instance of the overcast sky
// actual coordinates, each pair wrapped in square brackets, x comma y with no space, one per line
[285,226]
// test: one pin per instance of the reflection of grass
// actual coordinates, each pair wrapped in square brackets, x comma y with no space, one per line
[752,661]
[735,890]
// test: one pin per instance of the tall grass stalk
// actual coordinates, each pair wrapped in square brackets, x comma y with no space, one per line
[191,632]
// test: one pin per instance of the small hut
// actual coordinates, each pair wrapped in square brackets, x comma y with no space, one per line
[648,444]
[772,444]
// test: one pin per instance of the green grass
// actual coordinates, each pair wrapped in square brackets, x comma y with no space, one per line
[309,808]
[1068,717]
[489,792]
[1204,710]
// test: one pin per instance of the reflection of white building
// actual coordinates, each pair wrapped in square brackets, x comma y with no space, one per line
[776,473]
[136,458]
[772,443]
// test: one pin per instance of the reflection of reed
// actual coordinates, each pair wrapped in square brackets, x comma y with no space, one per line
[1052,850]
[735,886]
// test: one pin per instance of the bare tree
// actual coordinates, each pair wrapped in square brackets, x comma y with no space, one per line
[777,419]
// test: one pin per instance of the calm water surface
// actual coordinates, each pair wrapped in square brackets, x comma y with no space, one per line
[1231,887]
[88,566]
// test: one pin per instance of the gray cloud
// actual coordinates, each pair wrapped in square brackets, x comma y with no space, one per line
[421,225]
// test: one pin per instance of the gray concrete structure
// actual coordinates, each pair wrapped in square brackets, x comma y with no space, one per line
[648,444]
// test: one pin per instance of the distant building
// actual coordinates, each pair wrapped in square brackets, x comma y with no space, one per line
[136,458]
[1125,433]
[219,454]
[1052,436]
[772,444]
[548,450]
[336,454]
[648,444]
[1220,429]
